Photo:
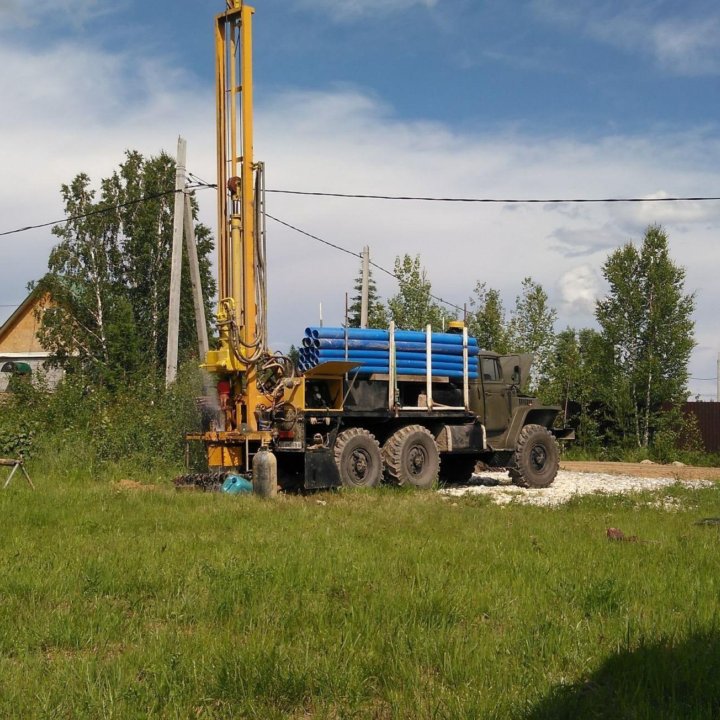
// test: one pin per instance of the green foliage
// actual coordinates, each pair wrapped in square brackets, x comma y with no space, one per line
[16,440]
[573,381]
[377,312]
[108,277]
[677,437]
[646,323]
[294,355]
[142,424]
[413,307]
[531,329]
[486,319]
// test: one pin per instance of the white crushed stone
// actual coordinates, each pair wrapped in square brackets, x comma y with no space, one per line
[497,486]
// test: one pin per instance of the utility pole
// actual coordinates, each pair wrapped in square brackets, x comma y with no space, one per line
[365,293]
[171,357]
[191,247]
[717,375]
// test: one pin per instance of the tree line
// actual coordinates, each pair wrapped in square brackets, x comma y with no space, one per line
[109,275]
[620,384]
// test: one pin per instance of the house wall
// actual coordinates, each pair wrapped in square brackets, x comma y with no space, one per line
[19,343]
[20,335]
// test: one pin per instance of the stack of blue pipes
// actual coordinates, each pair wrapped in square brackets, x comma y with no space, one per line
[371,348]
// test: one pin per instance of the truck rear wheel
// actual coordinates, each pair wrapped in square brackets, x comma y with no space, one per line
[536,459]
[358,458]
[411,457]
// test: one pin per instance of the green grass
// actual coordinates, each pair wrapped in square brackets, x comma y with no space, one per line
[124,603]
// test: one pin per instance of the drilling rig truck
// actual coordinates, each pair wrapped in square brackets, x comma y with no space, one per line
[345,419]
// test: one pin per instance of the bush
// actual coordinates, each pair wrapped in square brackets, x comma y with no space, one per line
[88,427]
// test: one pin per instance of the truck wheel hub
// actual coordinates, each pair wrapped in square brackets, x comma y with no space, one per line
[538,456]
[417,460]
[359,464]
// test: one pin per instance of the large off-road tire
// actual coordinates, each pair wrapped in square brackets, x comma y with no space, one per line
[455,469]
[358,458]
[536,458]
[411,457]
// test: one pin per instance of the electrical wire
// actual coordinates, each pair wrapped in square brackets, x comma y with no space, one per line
[103,210]
[506,201]
[314,237]
[501,201]
[358,255]
[199,183]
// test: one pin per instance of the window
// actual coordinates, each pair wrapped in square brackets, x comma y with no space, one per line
[490,369]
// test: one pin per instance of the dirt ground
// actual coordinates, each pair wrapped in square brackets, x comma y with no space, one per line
[684,472]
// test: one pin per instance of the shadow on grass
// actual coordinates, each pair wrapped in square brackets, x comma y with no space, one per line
[668,679]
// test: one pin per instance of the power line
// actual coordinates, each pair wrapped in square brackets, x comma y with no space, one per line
[101,210]
[357,255]
[314,237]
[501,201]
[198,182]
[507,201]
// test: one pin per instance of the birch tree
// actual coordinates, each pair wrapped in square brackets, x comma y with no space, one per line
[532,328]
[109,274]
[413,307]
[646,322]
[486,319]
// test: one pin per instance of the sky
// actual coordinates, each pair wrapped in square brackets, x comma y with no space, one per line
[453,98]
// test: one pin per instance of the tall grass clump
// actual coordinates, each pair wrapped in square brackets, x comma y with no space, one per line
[81,429]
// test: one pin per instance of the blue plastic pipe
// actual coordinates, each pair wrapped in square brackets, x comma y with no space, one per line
[371,334]
[333,354]
[401,346]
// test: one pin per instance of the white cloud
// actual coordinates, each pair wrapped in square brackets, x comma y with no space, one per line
[345,140]
[688,47]
[579,289]
[345,10]
[24,13]
[686,44]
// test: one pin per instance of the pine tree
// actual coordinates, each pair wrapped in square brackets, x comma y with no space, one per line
[377,313]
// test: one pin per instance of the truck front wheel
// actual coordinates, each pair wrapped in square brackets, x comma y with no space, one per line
[536,458]
[358,458]
[412,458]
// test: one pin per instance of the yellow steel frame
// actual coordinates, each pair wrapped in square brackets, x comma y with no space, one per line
[242,333]
[236,207]
[241,340]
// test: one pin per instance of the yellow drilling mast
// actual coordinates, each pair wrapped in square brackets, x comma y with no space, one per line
[250,380]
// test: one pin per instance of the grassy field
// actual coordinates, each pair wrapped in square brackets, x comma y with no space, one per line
[120,602]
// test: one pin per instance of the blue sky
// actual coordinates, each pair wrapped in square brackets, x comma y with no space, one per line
[434,97]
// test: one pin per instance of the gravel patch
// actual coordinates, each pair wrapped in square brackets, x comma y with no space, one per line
[567,485]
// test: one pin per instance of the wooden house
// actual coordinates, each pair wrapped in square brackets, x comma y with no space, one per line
[21,352]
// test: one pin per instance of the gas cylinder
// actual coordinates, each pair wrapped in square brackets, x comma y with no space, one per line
[264,467]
